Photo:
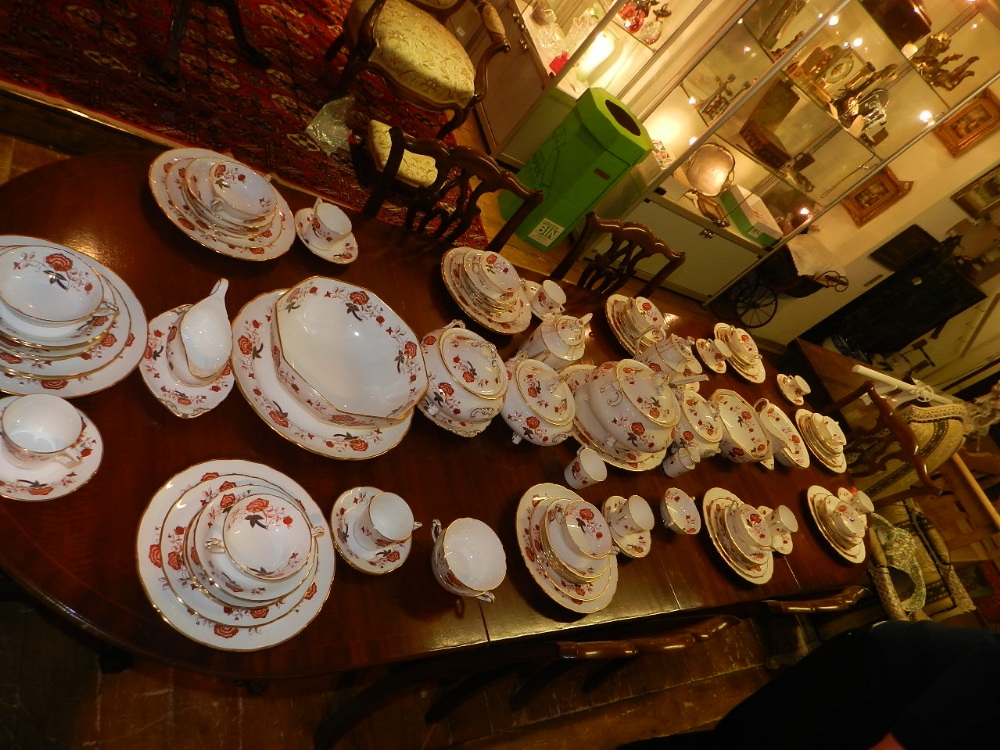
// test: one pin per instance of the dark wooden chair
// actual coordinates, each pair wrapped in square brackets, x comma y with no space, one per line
[450,203]
[628,243]
[408,45]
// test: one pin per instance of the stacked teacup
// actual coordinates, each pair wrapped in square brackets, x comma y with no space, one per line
[253,549]
[636,320]
[576,540]
[824,437]
[845,517]
[491,284]
[744,353]
[236,201]
[53,305]
[749,532]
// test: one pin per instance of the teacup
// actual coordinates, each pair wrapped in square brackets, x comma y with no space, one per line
[748,530]
[576,540]
[387,520]
[828,431]
[681,460]
[782,521]
[679,512]
[39,428]
[550,298]
[632,516]
[845,519]
[857,498]
[586,468]
[267,536]
[468,558]
[240,193]
[328,223]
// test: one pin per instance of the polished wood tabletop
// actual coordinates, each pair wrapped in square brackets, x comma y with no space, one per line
[77,554]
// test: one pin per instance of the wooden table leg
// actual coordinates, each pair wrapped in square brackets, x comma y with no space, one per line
[170,63]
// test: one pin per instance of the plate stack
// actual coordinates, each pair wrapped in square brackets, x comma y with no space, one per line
[235,555]
[744,354]
[567,546]
[740,533]
[221,203]
[68,325]
[842,520]
[824,438]
[487,287]
[632,317]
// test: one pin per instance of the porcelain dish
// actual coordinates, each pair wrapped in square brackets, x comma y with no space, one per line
[716,503]
[341,251]
[346,511]
[499,313]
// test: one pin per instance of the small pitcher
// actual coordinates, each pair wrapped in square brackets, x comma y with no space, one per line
[203,342]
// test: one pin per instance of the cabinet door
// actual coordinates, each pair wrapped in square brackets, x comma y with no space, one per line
[712,261]
[515,81]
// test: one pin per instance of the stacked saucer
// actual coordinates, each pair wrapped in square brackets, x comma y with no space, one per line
[744,355]
[824,438]
[842,520]
[68,324]
[487,287]
[567,545]
[222,204]
[741,535]
[633,318]
[235,555]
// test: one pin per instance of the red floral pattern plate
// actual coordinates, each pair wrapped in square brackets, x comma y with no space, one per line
[246,633]
[258,381]
[715,502]
[52,479]
[346,510]
[184,400]
[451,265]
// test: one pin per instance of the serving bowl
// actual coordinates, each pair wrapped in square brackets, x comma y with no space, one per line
[345,355]
[635,404]
[538,406]
[744,439]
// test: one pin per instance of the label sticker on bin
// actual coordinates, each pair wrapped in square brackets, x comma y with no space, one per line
[546,232]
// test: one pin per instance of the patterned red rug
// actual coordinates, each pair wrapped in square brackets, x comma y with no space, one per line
[102,56]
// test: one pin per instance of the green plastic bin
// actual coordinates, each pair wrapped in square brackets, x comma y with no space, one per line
[589,151]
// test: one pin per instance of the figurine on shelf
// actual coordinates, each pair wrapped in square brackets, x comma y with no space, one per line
[634,13]
[650,33]
[932,69]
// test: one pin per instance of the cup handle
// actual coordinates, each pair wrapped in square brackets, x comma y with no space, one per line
[417,525]
[757,404]
[487,596]
[68,459]
[436,530]
[214,544]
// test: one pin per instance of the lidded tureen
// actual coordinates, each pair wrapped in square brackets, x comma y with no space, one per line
[558,341]
[467,379]
[539,405]
[744,438]
[635,404]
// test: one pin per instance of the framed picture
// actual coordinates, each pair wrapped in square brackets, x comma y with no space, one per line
[982,196]
[970,124]
[874,196]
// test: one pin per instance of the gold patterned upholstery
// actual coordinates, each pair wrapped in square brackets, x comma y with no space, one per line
[415,170]
[408,45]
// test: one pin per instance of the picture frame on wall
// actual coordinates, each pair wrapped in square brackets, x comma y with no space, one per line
[980,196]
[874,196]
[970,124]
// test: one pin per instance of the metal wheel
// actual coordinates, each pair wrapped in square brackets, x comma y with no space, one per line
[755,304]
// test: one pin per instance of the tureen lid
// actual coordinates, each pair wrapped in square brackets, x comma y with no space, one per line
[701,416]
[649,392]
[544,392]
[473,362]
[564,335]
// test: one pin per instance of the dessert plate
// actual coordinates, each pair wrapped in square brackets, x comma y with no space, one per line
[715,503]
[342,251]
[633,545]
[710,355]
[258,381]
[184,400]
[817,498]
[346,510]
[585,598]
[51,479]
[167,184]
[520,318]
[244,633]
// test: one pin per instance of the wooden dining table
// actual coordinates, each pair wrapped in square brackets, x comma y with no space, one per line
[78,554]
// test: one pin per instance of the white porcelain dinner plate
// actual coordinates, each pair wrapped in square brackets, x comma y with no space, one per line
[633,545]
[258,382]
[52,479]
[186,401]
[451,265]
[817,498]
[341,252]
[586,598]
[714,506]
[167,188]
[347,509]
[88,378]
[837,465]
[242,629]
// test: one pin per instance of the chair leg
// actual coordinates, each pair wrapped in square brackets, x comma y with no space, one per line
[335,46]
[348,74]
[534,685]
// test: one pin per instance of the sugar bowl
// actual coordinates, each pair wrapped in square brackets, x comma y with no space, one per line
[558,341]
[538,406]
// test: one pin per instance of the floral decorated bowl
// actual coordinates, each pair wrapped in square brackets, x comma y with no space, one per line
[467,378]
[41,286]
[539,406]
[239,192]
[267,536]
[699,428]
[744,439]
[636,405]
[345,355]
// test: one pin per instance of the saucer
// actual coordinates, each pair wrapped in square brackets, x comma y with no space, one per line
[346,510]
[780,543]
[787,387]
[184,400]
[817,497]
[710,355]
[755,373]
[51,479]
[838,464]
[342,251]
[258,382]
[633,545]
[715,503]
